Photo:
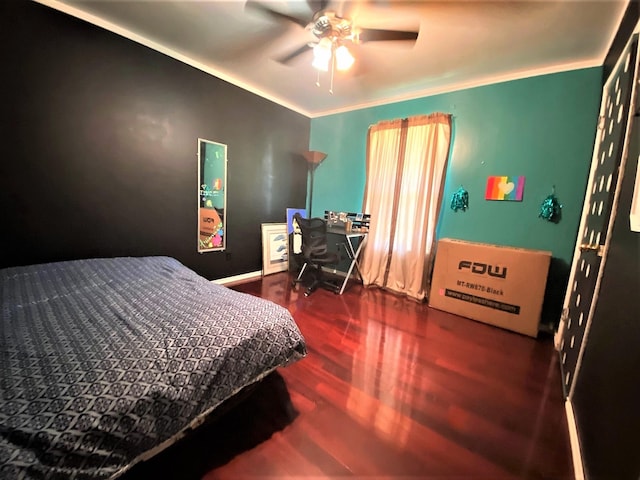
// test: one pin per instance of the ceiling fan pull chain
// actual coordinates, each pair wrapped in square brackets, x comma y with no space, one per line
[318,78]
[333,68]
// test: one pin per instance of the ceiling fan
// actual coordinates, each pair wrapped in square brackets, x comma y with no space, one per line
[333,33]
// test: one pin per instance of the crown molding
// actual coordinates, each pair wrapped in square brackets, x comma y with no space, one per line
[141,39]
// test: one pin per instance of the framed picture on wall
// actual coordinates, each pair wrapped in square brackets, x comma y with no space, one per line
[212,196]
[504,188]
[275,246]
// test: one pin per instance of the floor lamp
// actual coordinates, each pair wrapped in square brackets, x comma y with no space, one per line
[313,158]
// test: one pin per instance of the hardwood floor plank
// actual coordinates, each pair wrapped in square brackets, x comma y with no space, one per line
[474,383]
[390,389]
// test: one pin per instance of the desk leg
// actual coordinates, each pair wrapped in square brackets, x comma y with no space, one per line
[353,255]
[356,255]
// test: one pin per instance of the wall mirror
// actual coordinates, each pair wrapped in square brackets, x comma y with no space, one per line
[212,197]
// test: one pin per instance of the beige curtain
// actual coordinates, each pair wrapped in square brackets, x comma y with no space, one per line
[406,160]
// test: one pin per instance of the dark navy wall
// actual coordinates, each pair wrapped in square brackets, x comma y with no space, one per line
[99,142]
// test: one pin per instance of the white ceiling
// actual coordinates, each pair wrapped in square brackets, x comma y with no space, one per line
[461,43]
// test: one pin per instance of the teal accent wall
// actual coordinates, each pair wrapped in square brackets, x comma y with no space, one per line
[541,127]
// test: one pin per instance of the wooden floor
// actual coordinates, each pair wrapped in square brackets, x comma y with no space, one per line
[390,389]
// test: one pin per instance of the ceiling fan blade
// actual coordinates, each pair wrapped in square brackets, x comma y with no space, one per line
[275,14]
[291,55]
[374,35]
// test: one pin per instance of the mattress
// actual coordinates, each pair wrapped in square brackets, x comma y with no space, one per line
[106,360]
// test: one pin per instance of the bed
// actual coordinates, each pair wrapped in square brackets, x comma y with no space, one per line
[107,361]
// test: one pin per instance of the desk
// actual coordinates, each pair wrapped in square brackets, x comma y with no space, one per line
[353,250]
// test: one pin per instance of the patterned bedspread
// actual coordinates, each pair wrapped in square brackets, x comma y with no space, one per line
[103,360]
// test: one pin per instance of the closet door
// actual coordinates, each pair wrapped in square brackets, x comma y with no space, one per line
[600,201]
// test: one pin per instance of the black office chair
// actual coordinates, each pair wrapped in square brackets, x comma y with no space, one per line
[315,253]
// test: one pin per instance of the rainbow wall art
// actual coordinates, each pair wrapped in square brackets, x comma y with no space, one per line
[504,188]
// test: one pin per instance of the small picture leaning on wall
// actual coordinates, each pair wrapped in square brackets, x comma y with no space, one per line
[274,248]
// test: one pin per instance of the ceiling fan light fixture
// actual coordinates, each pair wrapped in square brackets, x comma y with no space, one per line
[322,26]
[320,64]
[323,47]
[322,55]
[344,59]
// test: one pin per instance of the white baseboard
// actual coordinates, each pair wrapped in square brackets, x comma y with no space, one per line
[578,468]
[235,279]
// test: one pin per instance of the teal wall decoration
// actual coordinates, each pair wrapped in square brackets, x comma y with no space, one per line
[550,209]
[460,200]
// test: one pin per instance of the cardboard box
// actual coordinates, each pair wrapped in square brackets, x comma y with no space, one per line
[503,286]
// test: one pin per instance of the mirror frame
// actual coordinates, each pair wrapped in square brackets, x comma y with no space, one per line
[212,196]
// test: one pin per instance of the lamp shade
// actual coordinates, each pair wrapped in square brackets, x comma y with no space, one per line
[321,63]
[344,59]
[322,54]
[314,157]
